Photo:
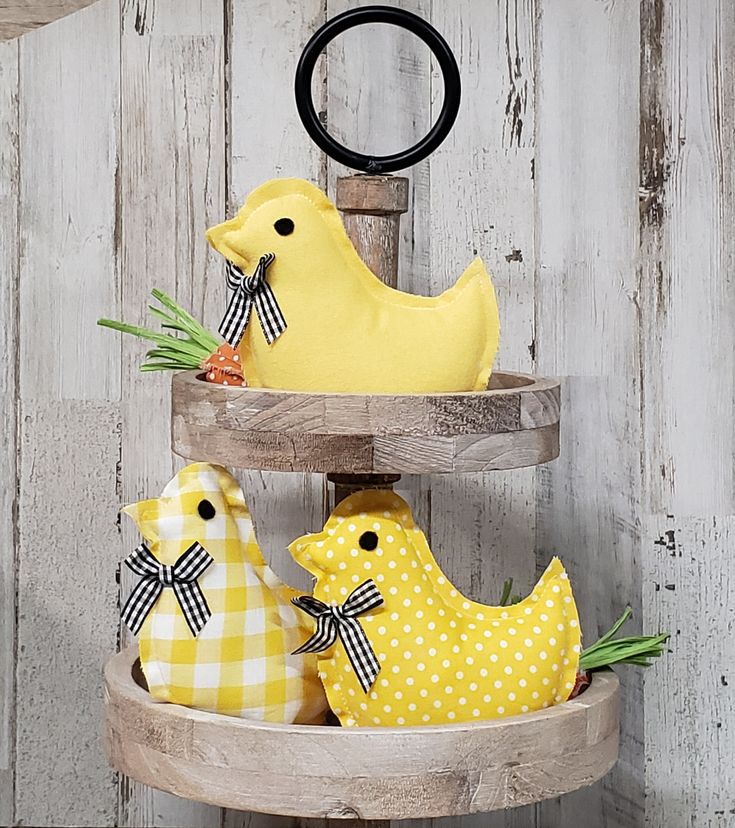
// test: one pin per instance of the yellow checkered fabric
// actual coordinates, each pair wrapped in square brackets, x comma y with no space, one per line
[240,664]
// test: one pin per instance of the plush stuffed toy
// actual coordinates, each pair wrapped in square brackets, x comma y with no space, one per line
[327,323]
[216,625]
[401,646]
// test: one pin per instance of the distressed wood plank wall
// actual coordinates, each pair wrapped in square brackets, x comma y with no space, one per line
[592,168]
[9,183]
[588,501]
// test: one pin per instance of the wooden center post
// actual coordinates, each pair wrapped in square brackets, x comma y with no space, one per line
[371,206]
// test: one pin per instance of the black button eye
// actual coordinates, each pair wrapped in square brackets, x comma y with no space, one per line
[368,541]
[284,227]
[206,510]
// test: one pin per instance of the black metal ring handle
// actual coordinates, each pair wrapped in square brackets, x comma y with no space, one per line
[405,20]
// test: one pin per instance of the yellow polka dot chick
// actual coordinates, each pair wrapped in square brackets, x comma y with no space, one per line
[443,658]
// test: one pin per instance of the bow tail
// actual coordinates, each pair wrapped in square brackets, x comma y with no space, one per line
[236,318]
[271,318]
[357,646]
[323,638]
[140,602]
[193,604]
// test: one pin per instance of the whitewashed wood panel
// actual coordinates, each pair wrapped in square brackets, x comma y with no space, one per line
[689,290]
[688,120]
[68,146]
[171,189]
[482,203]
[9,175]
[69,385]
[588,502]
[67,611]
[689,589]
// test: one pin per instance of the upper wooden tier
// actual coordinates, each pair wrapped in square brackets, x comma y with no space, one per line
[514,423]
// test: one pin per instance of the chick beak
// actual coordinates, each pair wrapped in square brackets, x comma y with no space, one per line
[301,550]
[222,237]
[140,512]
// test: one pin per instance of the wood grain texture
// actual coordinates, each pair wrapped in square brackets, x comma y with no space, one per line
[67,524]
[9,253]
[69,386]
[689,114]
[588,502]
[68,245]
[288,431]
[367,773]
[689,588]
[687,253]
[20,16]
[371,207]
[482,203]
[171,187]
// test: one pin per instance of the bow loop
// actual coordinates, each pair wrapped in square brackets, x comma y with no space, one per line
[248,291]
[341,620]
[181,577]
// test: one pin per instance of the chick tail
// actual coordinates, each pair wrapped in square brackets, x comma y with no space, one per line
[477,279]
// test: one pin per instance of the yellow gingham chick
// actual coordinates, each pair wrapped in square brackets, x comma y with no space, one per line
[442,658]
[239,660]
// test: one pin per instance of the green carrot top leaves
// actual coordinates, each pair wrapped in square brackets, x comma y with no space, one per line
[636,649]
[188,348]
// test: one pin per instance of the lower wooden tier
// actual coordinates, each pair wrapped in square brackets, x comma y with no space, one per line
[366,773]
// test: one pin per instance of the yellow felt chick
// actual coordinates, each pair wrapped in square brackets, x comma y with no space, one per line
[239,663]
[443,658]
[346,330]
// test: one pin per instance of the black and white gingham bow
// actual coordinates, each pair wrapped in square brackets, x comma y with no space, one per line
[342,620]
[181,577]
[249,291]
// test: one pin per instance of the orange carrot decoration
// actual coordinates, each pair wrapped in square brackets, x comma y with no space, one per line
[224,367]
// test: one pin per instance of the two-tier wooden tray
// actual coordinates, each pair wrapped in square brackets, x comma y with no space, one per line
[371,774]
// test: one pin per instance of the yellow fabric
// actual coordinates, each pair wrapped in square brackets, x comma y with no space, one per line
[347,331]
[443,657]
[240,664]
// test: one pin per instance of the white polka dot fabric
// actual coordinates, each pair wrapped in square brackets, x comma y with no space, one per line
[443,657]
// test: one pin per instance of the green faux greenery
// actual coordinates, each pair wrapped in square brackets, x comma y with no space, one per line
[635,649]
[174,352]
